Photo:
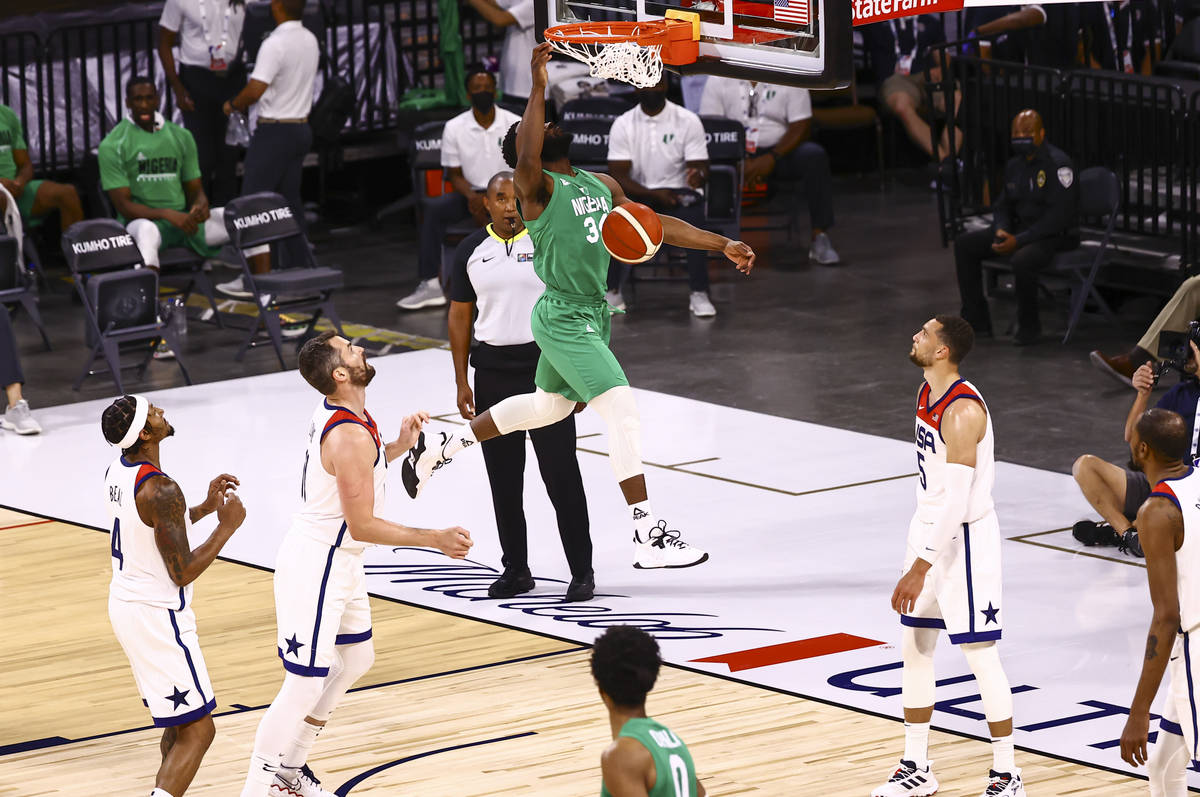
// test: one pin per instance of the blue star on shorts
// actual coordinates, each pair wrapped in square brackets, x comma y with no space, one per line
[990,614]
[293,646]
[178,699]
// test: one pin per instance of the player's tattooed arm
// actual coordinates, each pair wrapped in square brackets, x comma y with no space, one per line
[165,504]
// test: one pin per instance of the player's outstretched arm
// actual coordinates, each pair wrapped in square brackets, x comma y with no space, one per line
[1157,523]
[626,766]
[348,452]
[161,502]
[528,177]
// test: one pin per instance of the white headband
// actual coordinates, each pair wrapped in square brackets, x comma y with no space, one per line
[139,423]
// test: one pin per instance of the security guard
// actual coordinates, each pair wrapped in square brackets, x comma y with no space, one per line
[493,270]
[1035,216]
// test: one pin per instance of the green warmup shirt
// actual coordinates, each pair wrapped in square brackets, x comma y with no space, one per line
[154,166]
[12,136]
[676,774]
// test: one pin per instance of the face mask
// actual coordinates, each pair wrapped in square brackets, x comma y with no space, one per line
[483,101]
[1023,145]
[653,101]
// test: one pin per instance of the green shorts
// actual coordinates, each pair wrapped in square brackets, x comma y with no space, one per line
[25,202]
[573,334]
[173,237]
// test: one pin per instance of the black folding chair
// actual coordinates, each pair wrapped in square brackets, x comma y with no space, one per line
[18,286]
[1099,197]
[726,139]
[262,219]
[119,299]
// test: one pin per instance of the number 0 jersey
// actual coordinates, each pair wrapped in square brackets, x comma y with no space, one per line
[139,573]
[1184,492]
[675,774]
[931,456]
[321,516]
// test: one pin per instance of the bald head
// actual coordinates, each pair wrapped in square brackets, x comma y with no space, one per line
[497,182]
[500,200]
[1027,123]
[1165,433]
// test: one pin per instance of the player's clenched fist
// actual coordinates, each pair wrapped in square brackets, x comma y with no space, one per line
[231,513]
[741,255]
[455,542]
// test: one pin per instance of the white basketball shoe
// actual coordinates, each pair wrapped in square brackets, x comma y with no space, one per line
[421,461]
[1004,784]
[305,785]
[909,781]
[663,548]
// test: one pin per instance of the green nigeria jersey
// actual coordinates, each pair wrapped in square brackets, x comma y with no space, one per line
[568,255]
[12,136]
[152,165]
[676,774]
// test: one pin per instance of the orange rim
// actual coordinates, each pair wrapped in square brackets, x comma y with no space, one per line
[645,34]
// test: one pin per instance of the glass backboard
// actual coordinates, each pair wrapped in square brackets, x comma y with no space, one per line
[789,42]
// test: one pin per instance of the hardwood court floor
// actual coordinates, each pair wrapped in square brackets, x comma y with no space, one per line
[453,706]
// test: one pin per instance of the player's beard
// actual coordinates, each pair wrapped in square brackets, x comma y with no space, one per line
[555,145]
[361,376]
[917,360]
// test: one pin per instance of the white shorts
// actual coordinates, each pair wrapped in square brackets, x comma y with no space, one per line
[320,601]
[164,652]
[962,589]
[1179,713]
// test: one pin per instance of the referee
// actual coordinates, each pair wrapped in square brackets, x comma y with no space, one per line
[493,268]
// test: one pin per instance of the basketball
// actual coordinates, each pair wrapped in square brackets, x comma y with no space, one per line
[632,233]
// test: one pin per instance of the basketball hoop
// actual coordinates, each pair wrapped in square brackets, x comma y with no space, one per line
[632,52]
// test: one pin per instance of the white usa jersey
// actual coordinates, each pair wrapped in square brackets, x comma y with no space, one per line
[321,517]
[931,456]
[1184,492]
[139,573]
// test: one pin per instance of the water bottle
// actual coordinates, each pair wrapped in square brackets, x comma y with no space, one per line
[177,318]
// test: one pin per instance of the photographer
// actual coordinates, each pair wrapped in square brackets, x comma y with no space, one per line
[1116,493]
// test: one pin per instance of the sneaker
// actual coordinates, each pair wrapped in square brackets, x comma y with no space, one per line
[1004,784]
[421,462]
[665,549]
[822,251]
[581,589]
[305,785]
[428,294]
[1089,532]
[234,288]
[290,331]
[615,300]
[701,306]
[511,583]
[1130,544]
[163,352]
[909,781]
[19,419]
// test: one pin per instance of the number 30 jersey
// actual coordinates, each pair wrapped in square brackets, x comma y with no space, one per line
[321,517]
[931,455]
[568,255]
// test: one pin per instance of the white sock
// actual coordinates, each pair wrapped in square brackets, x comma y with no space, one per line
[297,752]
[916,743]
[160,793]
[643,519]
[260,776]
[1002,755]
[461,438]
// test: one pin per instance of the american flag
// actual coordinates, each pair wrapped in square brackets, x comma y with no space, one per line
[792,11]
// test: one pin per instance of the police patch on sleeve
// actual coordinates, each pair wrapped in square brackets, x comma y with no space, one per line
[1041,178]
[1066,176]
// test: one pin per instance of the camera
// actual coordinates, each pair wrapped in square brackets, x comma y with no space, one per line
[1177,356]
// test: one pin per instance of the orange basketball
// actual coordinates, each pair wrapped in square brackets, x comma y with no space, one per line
[632,232]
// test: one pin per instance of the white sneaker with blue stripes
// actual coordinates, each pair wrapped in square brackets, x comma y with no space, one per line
[1004,784]
[909,781]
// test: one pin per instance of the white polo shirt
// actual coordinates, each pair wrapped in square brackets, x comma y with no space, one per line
[287,63]
[776,108]
[497,275]
[658,146]
[516,79]
[474,148]
[208,29]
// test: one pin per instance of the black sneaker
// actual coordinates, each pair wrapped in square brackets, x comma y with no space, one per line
[582,589]
[1089,532]
[511,583]
[1130,544]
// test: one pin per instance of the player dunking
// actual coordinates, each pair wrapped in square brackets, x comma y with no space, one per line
[321,605]
[645,758]
[150,596]
[1168,526]
[953,562]
[564,208]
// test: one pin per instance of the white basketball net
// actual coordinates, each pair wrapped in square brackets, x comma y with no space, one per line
[628,61]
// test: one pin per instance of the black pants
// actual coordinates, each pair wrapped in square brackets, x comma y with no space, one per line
[504,458]
[275,162]
[439,212]
[697,259]
[10,367]
[972,248]
[218,161]
[809,163]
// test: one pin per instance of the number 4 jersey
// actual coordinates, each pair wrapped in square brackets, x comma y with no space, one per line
[931,455]
[675,772]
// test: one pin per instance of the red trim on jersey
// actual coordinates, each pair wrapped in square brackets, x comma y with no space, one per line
[1163,490]
[346,416]
[932,415]
[145,472]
